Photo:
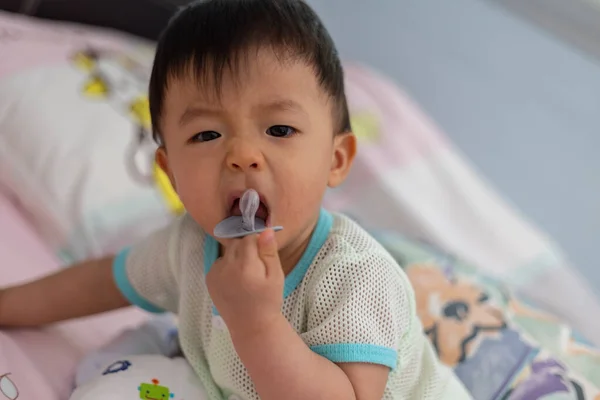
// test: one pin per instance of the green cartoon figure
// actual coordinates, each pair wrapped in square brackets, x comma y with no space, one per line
[153,391]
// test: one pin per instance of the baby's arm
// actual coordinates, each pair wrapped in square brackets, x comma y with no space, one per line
[78,291]
[142,275]
[281,365]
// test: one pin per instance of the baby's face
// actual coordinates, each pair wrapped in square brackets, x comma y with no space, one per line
[270,129]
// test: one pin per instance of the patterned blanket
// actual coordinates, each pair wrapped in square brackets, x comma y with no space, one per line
[500,345]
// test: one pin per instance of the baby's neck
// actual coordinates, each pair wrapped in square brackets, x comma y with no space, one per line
[290,255]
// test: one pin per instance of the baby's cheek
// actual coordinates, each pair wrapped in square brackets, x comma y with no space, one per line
[305,200]
[200,202]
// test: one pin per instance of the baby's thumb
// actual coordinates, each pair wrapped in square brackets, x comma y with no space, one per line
[268,252]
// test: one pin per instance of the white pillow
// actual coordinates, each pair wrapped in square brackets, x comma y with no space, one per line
[75,146]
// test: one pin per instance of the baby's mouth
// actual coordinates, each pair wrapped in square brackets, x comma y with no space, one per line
[262,212]
[248,213]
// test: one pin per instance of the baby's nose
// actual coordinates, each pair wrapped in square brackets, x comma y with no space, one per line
[244,156]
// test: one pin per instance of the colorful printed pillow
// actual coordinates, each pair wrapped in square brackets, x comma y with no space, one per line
[499,345]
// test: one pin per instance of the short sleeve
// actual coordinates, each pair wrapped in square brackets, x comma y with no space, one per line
[147,273]
[359,310]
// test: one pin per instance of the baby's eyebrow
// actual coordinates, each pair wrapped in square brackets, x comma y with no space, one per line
[196,111]
[282,105]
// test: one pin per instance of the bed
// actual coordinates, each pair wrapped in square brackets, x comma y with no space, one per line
[77,180]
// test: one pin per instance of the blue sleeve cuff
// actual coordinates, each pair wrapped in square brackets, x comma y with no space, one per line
[358,353]
[119,268]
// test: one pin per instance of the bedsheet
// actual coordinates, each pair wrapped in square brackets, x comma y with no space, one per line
[40,363]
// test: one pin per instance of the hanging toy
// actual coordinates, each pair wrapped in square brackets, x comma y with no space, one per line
[248,223]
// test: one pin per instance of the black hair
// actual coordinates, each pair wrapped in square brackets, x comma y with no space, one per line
[210,35]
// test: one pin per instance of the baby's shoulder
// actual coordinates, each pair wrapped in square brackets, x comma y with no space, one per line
[354,274]
[347,239]
[350,251]
[186,239]
[187,227]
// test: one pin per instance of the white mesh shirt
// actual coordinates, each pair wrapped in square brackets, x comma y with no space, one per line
[347,298]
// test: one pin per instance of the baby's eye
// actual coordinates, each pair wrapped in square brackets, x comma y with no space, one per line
[205,136]
[281,131]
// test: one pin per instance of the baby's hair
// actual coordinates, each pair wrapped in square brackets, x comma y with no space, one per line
[208,36]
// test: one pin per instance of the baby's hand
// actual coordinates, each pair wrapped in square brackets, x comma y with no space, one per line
[246,284]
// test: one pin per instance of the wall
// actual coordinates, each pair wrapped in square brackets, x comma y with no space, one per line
[523,106]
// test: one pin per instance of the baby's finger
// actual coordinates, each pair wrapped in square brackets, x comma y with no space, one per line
[268,252]
[230,249]
[248,250]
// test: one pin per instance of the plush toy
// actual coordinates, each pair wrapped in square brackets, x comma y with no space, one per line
[129,378]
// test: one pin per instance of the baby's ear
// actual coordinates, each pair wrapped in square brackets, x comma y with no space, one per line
[344,151]
[162,160]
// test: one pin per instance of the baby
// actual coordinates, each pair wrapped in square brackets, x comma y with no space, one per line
[249,94]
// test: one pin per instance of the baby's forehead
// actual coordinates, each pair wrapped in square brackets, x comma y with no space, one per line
[286,85]
[263,67]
